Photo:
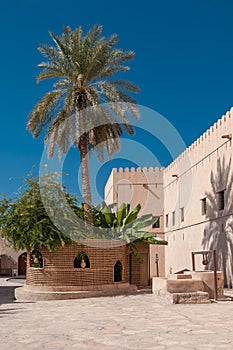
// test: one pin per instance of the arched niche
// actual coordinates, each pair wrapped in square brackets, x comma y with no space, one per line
[118,271]
[81,261]
[22,264]
[36,259]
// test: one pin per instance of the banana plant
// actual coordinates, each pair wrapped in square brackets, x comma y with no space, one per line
[125,224]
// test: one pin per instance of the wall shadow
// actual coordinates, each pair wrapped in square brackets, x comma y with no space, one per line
[7,294]
[218,233]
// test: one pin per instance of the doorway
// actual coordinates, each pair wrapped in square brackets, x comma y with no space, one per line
[139,273]
[22,264]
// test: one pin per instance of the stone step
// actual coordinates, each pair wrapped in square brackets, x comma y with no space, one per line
[22,294]
[191,298]
[146,290]
[198,297]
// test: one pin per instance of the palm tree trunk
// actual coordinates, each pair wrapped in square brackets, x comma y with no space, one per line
[86,187]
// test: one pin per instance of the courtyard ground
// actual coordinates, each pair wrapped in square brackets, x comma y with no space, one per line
[112,323]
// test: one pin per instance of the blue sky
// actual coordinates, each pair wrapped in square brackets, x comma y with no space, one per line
[183,65]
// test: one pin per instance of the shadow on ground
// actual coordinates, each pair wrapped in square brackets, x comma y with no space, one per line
[7,294]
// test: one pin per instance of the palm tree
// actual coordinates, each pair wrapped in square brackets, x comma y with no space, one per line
[84,88]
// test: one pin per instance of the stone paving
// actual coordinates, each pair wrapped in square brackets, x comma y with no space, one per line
[112,323]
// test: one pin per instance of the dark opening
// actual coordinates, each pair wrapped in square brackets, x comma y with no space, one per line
[81,261]
[182,214]
[203,206]
[118,272]
[22,263]
[156,224]
[173,218]
[221,203]
[36,259]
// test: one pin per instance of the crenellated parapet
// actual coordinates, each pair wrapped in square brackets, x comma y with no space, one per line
[134,185]
[144,170]
[190,165]
[204,146]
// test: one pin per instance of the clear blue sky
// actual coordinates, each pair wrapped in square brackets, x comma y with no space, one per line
[183,65]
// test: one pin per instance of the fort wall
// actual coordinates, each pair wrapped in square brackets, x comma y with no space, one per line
[144,186]
[197,178]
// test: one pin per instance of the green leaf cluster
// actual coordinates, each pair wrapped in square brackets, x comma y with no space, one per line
[124,224]
[27,222]
[24,220]
[82,69]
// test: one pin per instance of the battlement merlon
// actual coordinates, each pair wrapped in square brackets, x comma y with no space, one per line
[132,176]
[211,139]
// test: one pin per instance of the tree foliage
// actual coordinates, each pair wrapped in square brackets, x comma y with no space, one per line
[24,221]
[82,68]
[126,225]
[28,220]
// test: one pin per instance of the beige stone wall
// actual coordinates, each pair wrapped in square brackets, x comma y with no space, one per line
[8,257]
[198,175]
[203,170]
[144,186]
[141,185]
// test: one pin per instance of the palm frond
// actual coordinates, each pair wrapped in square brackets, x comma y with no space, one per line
[82,67]
[43,112]
[125,85]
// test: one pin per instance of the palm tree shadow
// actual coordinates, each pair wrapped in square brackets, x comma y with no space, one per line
[218,233]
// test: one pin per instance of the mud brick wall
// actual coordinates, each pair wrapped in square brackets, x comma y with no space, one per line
[138,273]
[58,266]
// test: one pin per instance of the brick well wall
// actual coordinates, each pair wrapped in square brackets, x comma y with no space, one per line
[58,267]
